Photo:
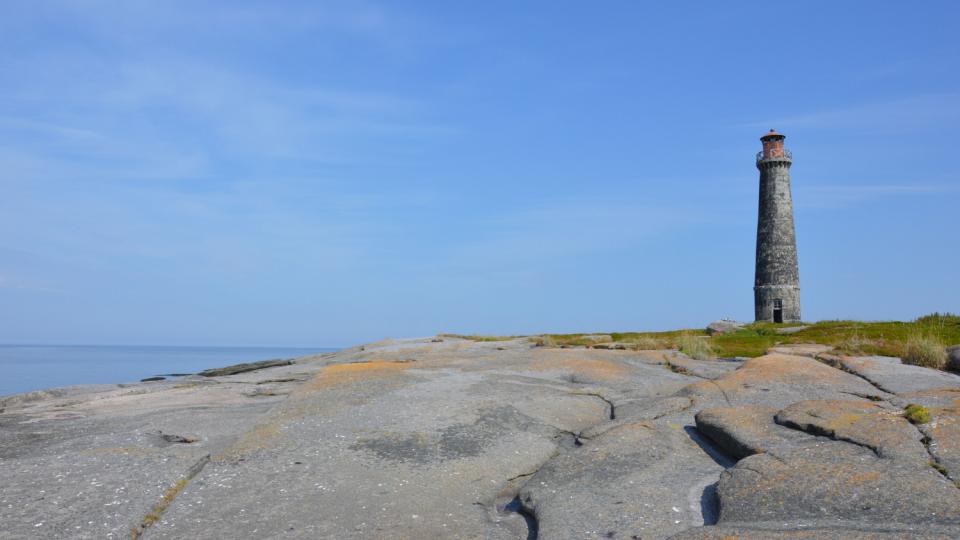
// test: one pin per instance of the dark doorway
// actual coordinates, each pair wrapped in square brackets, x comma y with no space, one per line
[778,311]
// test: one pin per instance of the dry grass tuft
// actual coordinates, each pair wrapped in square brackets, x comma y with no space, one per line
[924,349]
[646,343]
[544,341]
[855,344]
[698,348]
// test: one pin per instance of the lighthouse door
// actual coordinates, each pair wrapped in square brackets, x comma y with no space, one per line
[778,311]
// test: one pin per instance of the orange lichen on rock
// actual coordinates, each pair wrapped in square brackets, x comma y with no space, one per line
[340,374]
[864,423]
[600,369]
[864,477]
[945,400]
[784,369]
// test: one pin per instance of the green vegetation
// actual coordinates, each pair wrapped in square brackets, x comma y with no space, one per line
[919,342]
[888,338]
[544,341]
[646,343]
[475,337]
[925,349]
[697,347]
[917,414]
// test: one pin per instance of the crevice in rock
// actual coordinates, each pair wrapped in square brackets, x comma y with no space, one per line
[870,397]
[509,501]
[522,475]
[825,432]
[678,411]
[516,506]
[573,438]
[680,370]
[710,504]
[722,391]
[710,448]
[613,409]
[169,496]
[839,365]
[935,462]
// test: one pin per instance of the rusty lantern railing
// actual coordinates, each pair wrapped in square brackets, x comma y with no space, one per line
[783,154]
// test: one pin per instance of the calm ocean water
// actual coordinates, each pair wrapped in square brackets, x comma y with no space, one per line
[35,367]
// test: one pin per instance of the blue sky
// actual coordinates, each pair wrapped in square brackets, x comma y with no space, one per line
[325,173]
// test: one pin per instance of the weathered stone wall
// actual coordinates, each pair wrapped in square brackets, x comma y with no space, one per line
[777,273]
[763,302]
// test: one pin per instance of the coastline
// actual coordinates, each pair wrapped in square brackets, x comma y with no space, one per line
[449,437]
[30,368]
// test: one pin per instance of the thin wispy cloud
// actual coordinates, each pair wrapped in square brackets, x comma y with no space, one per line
[345,168]
[134,115]
[906,113]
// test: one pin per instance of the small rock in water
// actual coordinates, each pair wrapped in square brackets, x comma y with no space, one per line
[152,379]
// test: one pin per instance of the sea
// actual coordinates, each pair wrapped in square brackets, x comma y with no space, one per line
[35,367]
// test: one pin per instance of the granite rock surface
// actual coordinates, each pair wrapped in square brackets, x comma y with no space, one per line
[451,438]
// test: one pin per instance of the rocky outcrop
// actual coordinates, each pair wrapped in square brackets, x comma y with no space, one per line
[498,440]
[724,326]
[243,368]
[953,358]
[748,430]
[642,478]
[850,467]
[834,481]
[892,375]
[777,380]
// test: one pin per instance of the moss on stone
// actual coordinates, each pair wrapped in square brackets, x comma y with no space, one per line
[917,414]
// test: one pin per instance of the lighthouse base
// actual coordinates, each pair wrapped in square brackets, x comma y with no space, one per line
[776,303]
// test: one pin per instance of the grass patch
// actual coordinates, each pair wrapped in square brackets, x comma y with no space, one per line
[916,414]
[886,338]
[924,349]
[476,337]
[645,343]
[544,341]
[855,343]
[695,347]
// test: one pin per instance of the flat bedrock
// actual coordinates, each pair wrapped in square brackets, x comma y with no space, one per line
[451,438]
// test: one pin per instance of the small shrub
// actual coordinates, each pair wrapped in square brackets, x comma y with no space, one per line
[544,341]
[762,331]
[917,414]
[938,319]
[924,349]
[695,347]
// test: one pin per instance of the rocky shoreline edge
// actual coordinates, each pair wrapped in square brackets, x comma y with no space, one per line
[455,438]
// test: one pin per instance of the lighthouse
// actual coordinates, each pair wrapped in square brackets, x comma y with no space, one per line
[776,288]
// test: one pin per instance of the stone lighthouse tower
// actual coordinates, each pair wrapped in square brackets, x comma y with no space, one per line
[776,290]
